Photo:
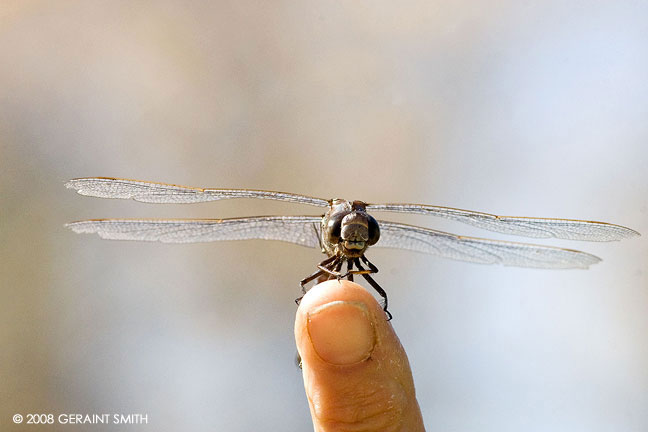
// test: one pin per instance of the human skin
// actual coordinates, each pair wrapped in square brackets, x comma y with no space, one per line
[356,373]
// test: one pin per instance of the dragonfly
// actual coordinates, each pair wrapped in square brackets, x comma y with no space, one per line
[346,230]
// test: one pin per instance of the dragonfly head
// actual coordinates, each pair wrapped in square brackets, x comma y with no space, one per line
[349,229]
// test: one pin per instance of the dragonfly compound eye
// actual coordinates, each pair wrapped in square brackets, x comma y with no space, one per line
[334,227]
[374,231]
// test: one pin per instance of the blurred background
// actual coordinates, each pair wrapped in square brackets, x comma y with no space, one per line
[516,108]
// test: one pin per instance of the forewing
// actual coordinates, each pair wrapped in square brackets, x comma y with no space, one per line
[162,193]
[478,250]
[301,230]
[570,229]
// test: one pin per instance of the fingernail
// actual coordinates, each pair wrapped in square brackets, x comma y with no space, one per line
[341,332]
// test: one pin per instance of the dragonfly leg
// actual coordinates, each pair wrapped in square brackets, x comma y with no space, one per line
[349,275]
[304,281]
[332,269]
[298,361]
[325,266]
[361,270]
[375,285]
[338,267]
[328,261]
[373,268]
[315,275]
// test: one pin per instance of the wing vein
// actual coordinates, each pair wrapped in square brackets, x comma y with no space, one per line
[163,193]
[485,251]
[570,229]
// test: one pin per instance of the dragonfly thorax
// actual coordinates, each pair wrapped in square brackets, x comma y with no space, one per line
[348,230]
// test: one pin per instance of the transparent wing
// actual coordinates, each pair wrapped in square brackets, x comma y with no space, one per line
[162,193]
[570,229]
[301,230]
[478,250]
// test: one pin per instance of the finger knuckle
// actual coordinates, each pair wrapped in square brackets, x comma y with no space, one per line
[364,408]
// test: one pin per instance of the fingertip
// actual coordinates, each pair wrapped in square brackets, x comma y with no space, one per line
[335,290]
[341,332]
[338,322]
[355,369]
